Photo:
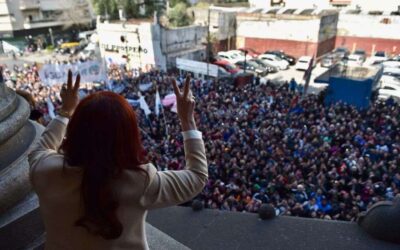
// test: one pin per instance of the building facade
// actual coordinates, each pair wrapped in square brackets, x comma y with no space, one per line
[365,5]
[296,34]
[145,44]
[31,17]
[369,32]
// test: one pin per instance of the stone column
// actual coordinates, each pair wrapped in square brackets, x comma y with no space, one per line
[17,134]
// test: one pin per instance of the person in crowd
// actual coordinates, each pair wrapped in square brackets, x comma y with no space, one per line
[90,172]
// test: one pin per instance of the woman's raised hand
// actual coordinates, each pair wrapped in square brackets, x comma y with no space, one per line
[69,94]
[185,105]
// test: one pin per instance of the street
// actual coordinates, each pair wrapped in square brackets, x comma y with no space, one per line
[287,75]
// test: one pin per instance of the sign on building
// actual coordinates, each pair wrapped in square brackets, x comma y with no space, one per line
[197,67]
[130,44]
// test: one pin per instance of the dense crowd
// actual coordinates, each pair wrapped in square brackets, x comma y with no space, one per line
[264,143]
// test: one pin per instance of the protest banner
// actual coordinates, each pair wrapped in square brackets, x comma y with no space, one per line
[91,71]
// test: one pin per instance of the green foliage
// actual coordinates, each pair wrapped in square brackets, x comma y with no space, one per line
[50,48]
[178,17]
[173,3]
[130,7]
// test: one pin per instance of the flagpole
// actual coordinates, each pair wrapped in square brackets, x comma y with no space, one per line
[163,114]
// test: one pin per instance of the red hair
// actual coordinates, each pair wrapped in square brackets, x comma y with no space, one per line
[103,138]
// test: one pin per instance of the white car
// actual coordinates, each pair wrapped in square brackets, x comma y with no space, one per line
[355,60]
[274,61]
[390,70]
[390,86]
[380,56]
[385,94]
[303,63]
[391,64]
[385,79]
[230,57]
[240,54]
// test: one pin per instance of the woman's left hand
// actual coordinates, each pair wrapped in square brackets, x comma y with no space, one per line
[69,95]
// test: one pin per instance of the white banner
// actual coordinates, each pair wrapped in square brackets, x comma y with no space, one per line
[197,67]
[91,71]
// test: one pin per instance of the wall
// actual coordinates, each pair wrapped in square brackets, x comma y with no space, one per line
[368,5]
[184,42]
[5,19]
[257,26]
[370,45]
[381,33]
[306,4]
[222,23]
[139,45]
[383,26]
[294,48]
[179,39]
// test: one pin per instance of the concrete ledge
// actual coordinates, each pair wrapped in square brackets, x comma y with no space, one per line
[14,173]
[15,121]
[159,240]
[213,229]
[8,103]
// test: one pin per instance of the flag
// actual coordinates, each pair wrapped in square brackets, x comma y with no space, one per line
[169,100]
[146,86]
[50,108]
[158,104]
[174,108]
[133,102]
[144,106]
[307,75]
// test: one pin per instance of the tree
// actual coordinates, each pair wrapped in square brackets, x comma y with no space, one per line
[178,17]
[131,8]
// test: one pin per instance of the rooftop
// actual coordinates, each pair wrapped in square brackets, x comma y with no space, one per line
[349,72]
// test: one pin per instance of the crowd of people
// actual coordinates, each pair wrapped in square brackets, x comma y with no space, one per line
[265,143]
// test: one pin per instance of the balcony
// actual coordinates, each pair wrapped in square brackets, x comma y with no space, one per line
[25,5]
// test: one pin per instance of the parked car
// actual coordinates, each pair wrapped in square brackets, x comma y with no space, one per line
[240,54]
[396,75]
[361,53]
[385,94]
[250,52]
[329,60]
[391,64]
[341,52]
[378,57]
[391,70]
[270,68]
[231,68]
[390,86]
[252,67]
[385,79]
[354,60]
[303,63]
[275,61]
[231,58]
[290,59]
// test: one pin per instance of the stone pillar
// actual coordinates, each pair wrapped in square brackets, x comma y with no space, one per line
[17,134]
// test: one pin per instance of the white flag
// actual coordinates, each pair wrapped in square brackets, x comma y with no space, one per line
[144,106]
[146,86]
[50,108]
[158,104]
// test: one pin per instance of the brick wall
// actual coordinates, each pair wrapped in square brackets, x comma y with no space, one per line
[370,45]
[294,48]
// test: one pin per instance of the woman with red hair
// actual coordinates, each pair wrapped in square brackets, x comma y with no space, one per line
[91,176]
